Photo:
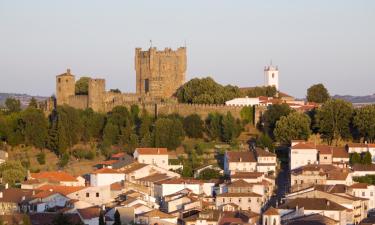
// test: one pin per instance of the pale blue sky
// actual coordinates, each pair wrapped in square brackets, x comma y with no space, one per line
[332,42]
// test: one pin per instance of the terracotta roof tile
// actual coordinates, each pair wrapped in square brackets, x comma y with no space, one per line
[271,211]
[180,181]
[64,190]
[54,176]
[89,213]
[241,156]
[246,175]
[247,194]
[157,214]
[15,195]
[152,151]
[303,145]
[359,186]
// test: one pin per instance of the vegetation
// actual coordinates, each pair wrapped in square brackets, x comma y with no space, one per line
[208,174]
[333,119]
[13,105]
[12,172]
[291,127]
[317,93]
[364,122]
[224,128]
[117,218]
[368,179]
[247,114]
[193,126]
[206,91]
[269,91]
[272,115]
[82,86]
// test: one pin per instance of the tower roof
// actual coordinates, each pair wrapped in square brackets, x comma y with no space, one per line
[67,73]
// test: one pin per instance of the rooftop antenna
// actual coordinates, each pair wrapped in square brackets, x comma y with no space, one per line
[150,43]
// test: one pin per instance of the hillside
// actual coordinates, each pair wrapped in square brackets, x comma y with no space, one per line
[24,98]
[357,99]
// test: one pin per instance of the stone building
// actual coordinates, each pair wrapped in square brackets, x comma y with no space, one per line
[159,73]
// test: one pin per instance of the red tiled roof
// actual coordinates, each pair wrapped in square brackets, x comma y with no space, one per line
[89,213]
[105,170]
[118,155]
[117,186]
[303,145]
[152,151]
[246,175]
[241,156]
[108,162]
[180,181]
[54,176]
[64,190]
[359,186]
[271,211]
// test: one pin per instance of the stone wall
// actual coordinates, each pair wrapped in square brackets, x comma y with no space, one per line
[78,101]
[159,73]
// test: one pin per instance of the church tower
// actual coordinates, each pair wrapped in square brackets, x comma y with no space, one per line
[271,76]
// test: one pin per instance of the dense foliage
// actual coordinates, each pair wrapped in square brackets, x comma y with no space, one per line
[206,91]
[272,115]
[82,86]
[364,121]
[295,126]
[317,93]
[269,91]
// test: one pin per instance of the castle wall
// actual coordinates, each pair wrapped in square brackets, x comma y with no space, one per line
[78,101]
[65,87]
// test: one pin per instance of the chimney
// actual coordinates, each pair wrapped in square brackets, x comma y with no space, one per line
[6,186]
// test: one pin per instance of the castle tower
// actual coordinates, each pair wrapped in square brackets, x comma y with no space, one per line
[159,73]
[271,217]
[65,87]
[271,76]
[96,95]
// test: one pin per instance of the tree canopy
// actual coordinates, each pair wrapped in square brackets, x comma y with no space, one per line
[82,86]
[317,93]
[333,119]
[193,126]
[293,126]
[272,115]
[13,105]
[364,121]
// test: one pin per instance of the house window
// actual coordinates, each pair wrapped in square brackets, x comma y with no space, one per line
[223,200]
[249,200]
[87,195]
[239,199]
[97,194]
[230,199]
[371,194]
[363,193]
[325,157]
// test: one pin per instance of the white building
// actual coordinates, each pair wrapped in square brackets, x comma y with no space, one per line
[243,101]
[302,154]
[271,76]
[106,176]
[239,162]
[266,161]
[362,190]
[172,186]
[153,156]
[45,200]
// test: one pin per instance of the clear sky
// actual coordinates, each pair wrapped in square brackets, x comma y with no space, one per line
[332,42]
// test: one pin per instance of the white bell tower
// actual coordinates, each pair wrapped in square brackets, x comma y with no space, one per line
[271,76]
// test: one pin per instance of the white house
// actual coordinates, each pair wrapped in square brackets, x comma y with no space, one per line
[167,187]
[266,161]
[302,154]
[361,148]
[243,102]
[239,162]
[105,176]
[363,190]
[153,156]
[44,200]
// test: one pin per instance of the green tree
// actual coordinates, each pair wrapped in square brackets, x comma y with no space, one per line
[12,172]
[213,125]
[36,127]
[110,134]
[206,91]
[247,114]
[13,105]
[117,218]
[272,115]
[41,158]
[367,158]
[193,126]
[33,103]
[82,86]
[145,129]
[15,129]
[208,174]
[317,93]
[231,128]
[294,126]
[64,160]
[364,121]
[333,119]
[355,158]
[168,133]
[93,124]
[269,91]
[264,141]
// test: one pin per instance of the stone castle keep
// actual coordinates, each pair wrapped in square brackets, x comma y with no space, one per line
[158,75]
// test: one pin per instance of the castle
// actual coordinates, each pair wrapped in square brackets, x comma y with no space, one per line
[158,75]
